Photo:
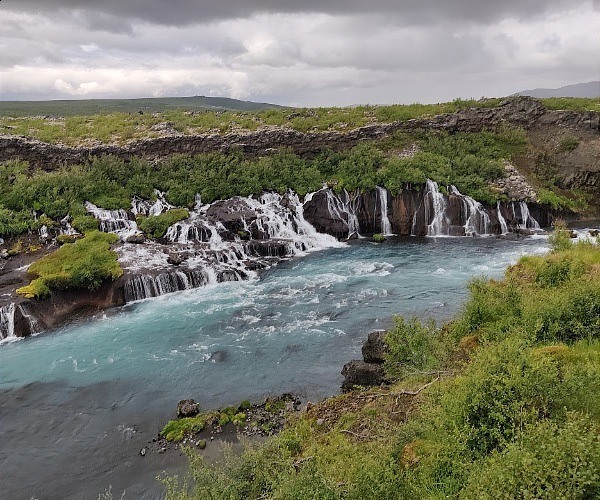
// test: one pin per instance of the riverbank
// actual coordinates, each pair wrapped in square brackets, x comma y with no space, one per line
[290,331]
[499,402]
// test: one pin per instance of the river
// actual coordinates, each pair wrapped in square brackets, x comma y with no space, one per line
[78,403]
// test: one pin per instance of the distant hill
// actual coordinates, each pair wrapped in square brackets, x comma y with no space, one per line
[589,89]
[146,105]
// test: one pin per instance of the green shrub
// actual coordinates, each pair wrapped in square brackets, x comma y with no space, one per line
[379,238]
[412,347]
[560,239]
[549,461]
[85,223]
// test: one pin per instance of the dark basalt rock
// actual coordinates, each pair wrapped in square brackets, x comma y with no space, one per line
[137,237]
[374,349]
[176,259]
[358,372]
[457,231]
[187,408]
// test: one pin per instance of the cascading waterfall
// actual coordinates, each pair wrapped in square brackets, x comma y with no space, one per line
[386,227]
[344,210]
[477,220]
[7,321]
[501,219]
[525,219]
[435,211]
[112,221]
[145,207]
[145,286]
[210,258]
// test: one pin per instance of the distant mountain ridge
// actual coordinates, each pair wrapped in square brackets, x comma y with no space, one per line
[589,89]
[145,105]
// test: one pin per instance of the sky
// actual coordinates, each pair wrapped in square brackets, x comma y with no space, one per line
[295,52]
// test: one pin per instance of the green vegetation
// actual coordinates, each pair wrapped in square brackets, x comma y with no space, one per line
[76,122]
[379,238]
[123,126]
[470,161]
[85,263]
[572,103]
[157,225]
[87,107]
[500,403]
[568,143]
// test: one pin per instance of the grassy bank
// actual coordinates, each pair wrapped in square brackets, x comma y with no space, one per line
[117,127]
[84,264]
[500,403]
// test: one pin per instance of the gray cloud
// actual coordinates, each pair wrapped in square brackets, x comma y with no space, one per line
[351,52]
[185,12]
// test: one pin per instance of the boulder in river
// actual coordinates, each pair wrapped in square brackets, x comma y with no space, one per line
[187,408]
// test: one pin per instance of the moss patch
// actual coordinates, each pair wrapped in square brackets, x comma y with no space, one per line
[83,264]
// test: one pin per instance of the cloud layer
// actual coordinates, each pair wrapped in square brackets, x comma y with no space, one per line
[307,53]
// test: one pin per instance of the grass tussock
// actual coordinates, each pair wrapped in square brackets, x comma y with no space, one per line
[86,264]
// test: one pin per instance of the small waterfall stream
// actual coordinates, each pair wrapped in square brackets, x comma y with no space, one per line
[7,321]
[386,227]
[112,221]
[9,315]
[524,218]
[501,220]
[436,220]
[477,220]
[343,208]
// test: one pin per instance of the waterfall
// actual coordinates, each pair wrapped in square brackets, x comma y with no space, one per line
[477,220]
[344,210]
[145,207]
[145,286]
[435,210]
[386,227]
[524,220]
[43,232]
[112,221]
[7,322]
[208,252]
[502,220]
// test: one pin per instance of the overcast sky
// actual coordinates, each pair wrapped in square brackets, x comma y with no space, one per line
[295,52]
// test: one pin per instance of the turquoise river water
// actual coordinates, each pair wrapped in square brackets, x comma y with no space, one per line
[78,403]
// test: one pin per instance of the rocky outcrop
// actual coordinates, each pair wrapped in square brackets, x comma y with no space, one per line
[422,211]
[360,373]
[369,371]
[523,112]
[374,349]
[187,408]
[515,186]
